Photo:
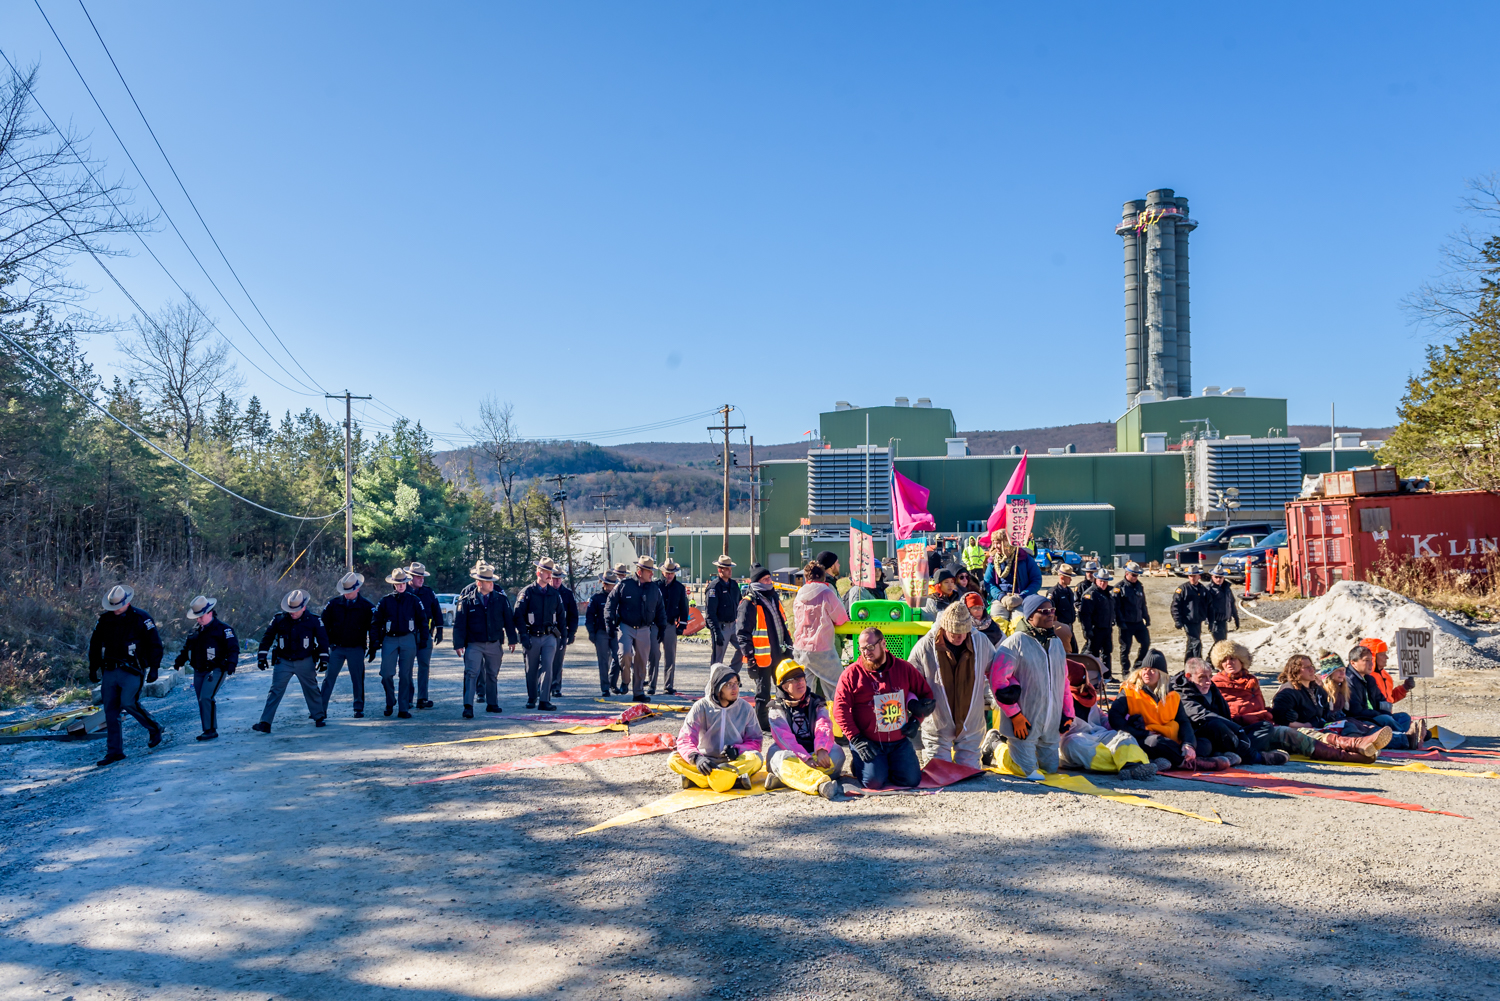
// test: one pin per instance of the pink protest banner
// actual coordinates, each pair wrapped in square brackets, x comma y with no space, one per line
[1020,510]
[1014,485]
[861,554]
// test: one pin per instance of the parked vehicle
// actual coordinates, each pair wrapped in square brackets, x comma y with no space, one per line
[1046,557]
[1214,543]
[1236,562]
[448,603]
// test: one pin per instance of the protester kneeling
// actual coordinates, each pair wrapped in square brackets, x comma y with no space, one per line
[954,658]
[1036,703]
[803,753]
[879,705]
[1153,714]
[718,746]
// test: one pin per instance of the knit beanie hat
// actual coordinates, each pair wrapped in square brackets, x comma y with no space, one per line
[1032,602]
[1329,663]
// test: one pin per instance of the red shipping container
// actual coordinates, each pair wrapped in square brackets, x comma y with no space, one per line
[1342,538]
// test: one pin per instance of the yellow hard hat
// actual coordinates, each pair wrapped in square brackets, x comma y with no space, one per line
[785,668]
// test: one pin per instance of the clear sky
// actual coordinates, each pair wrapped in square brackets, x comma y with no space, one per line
[619,213]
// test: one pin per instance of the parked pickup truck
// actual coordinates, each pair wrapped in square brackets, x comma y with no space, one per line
[1208,547]
[1236,562]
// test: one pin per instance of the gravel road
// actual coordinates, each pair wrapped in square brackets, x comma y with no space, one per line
[306,864]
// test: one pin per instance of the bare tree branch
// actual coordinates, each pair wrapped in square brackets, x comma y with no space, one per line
[1452,300]
[175,357]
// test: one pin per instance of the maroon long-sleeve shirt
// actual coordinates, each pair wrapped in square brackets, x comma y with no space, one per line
[872,704]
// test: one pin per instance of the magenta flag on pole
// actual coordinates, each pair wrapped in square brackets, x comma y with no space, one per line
[998,517]
[909,506]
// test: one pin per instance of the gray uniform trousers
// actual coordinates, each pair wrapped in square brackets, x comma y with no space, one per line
[282,672]
[635,655]
[338,656]
[604,652]
[668,660]
[541,651]
[398,652]
[557,662]
[424,667]
[207,688]
[722,645]
[482,672]
[121,691]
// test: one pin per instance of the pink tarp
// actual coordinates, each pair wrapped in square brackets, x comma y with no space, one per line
[625,747]
[1292,787]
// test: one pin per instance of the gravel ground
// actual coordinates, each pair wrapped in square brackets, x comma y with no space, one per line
[306,864]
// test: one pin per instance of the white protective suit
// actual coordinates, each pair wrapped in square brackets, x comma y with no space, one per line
[1042,673]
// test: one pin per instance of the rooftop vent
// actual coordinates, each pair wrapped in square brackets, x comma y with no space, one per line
[902,401]
[1148,396]
[1015,450]
[1210,390]
[924,403]
[1235,391]
[1057,451]
[957,447]
[1346,439]
[1153,441]
[843,405]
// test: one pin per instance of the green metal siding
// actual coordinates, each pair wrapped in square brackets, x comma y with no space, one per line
[1315,460]
[921,429]
[1252,415]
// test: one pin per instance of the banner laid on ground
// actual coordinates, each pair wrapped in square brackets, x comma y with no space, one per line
[625,747]
[861,554]
[1292,787]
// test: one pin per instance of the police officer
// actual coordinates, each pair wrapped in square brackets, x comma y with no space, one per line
[1065,601]
[570,614]
[599,634]
[124,653]
[1189,609]
[1221,605]
[621,572]
[347,619]
[298,646]
[721,603]
[398,629]
[633,610]
[1133,615]
[434,614]
[675,606]
[1096,614]
[482,622]
[214,653]
[542,622]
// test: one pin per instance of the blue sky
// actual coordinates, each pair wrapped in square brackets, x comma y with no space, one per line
[614,214]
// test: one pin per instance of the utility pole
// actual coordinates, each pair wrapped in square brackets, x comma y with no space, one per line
[754,498]
[348,473]
[561,496]
[608,555]
[725,410]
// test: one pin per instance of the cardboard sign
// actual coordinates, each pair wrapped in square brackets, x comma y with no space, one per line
[1413,653]
[1020,509]
[861,554]
[911,565]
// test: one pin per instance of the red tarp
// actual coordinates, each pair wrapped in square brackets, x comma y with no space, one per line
[937,774]
[646,743]
[1292,787]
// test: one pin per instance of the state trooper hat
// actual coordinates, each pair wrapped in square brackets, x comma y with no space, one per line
[724,561]
[1195,571]
[671,566]
[400,575]
[118,597]
[418,570]
[1133,567]
[295,601]
[351,582]
[1064,570]
[201,606]
[545,563]
[645,563]
[483,571]
[610,578]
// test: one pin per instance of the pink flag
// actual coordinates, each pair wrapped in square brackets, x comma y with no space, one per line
[1016,485]
[909,506]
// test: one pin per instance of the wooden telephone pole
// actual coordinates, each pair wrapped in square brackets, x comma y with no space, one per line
[606,496]
[726,428]
[348,473]
[561,496]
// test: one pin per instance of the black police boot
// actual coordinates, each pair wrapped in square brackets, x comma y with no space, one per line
[155,738]
[109,759]
[390,707]
[360,714]
[468,712]
[262,728]
[208,735]
[546,707]
[493,709]
[321,721]
[531,703]
[403,714]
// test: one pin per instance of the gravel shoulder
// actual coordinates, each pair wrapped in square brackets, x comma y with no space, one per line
[307,864]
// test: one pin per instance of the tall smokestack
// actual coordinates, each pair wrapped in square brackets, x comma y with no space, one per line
[1185,226]
[1158,353]
[1135,282]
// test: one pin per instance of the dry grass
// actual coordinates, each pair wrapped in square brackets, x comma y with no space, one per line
[45,628]
[1474,591]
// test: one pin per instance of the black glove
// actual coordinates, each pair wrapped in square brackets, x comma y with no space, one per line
[572,637]
[731,752]
[437,637]
[864,749]
[1009,695]
[228,670]
[1137,721]
[151,675]
[181,659]
[680,627]
[704,762]
[322,663]
[370,656]
[913,725]
[260,661]
[93,675]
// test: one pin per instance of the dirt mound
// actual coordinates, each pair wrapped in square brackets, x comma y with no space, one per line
[1352,610]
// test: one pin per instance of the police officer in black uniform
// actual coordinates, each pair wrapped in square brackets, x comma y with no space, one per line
[1096,614]
[347,619]
[541,622]
[1221,605]
[124,653]
[570,615]
[720,606]
[675,605]
[599,634]
[1189,609]
[297,645]
[434,613]
[1133,615]
[398,629]
[1062,598]
[214,653]
[635,613]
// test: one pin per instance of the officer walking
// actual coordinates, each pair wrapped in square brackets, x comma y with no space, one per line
[763,639]
[124,653]
[570,613]
[541,622]
[1221,605]
[1062,598]
[674,601]
[433,611]
[298,646]
[1189,609]
[621,572]
[482,622]
[720,605]
[633,609]
[347,619]
[214,653]
[598,633]
[1096,614]
[1133,615]
[398,629]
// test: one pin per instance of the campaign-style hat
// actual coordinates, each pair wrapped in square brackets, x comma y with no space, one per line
[545,563]
[724,561]
[418,570]
[400,575]
[351,582]
[1195,571]
[645,563]
[1134,567]
[295,600]
[1064,570]
[201,606]
[610,578]
[483,571]
[671,566]
[118,597]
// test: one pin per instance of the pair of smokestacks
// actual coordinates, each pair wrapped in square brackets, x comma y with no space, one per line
[1158,339]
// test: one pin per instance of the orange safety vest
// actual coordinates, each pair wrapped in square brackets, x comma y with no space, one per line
[1160,717]
[761,638]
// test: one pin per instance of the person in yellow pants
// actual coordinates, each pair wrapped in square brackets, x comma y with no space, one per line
[803,754]
[718,746]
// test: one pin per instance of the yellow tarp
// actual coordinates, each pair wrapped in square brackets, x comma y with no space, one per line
[533,733]
[1410,766]
[687,799]
[1081,784]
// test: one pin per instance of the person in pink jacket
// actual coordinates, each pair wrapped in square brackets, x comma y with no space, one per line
[718,746]
[815,612]
[803,753]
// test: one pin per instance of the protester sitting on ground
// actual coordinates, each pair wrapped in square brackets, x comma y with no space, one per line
[1367,703]
[879,705]
[815,613]
[1221,743]
[954,658]
[1301,703]
[1091,745]
[718,746]
[982,622]
[1389,690]
[964,583]
[944,593]
[1034,698]
[1150,712]
[803,753]
[1275,744]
